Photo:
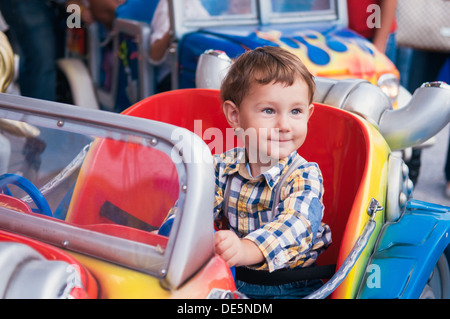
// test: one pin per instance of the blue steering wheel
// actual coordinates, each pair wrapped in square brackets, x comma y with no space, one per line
[29,188]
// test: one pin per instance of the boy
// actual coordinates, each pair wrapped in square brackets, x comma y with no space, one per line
[267,99]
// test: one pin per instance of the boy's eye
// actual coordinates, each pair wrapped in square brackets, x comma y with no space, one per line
[296,111]
[268,111]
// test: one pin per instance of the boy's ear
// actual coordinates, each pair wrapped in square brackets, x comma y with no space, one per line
[311,110]
[231,112]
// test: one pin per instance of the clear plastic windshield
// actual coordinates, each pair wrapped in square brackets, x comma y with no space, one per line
[293,6]
[85,186]
[228,8]
[202,13]
[302,10]
[242,11]
[89,180]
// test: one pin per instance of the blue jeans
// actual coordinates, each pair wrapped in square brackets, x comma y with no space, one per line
[32,26]
[294,290]
[425,67]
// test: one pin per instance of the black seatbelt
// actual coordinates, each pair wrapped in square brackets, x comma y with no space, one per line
[284,276]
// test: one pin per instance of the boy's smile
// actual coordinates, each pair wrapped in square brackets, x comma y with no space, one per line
[272,120]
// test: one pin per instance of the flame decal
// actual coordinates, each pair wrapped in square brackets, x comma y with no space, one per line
[335,54]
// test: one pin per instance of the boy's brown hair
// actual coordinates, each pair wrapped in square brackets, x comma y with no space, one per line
[264,65]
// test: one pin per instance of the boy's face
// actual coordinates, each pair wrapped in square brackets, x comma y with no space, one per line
[274,120]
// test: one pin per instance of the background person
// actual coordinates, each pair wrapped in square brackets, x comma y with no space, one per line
[382,37]
[33,30]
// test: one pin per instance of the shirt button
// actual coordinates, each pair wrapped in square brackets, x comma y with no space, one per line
[242,214]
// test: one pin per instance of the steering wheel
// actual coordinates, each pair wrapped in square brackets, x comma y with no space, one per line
[29,188]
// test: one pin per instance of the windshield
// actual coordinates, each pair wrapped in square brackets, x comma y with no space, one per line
[230,8]
[94,186]
[295,6]
[302,10]
[88,180]
[198,12]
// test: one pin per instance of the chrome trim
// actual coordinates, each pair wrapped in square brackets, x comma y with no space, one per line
[211,69]
[399,188]
[26,274]
[352,95]
[66,236]
[424,116]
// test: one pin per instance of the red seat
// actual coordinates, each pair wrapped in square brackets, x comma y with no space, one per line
[336,141]
[14,204]
[124,184]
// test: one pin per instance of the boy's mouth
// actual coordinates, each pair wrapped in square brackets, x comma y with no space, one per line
[279,140]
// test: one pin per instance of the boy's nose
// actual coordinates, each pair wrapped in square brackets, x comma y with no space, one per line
[283,123]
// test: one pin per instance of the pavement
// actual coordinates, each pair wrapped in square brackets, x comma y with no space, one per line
[431,183]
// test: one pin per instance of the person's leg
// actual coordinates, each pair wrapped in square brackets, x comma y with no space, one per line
[32,25]
[403,63]
[425,67]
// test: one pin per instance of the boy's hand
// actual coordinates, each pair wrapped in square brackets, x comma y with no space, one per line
[228,246]
[236,251]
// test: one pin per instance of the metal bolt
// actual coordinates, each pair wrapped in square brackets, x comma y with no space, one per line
[60,123]
[405,171]
[402,200]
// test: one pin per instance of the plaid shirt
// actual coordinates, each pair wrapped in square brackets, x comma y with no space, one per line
[293,236]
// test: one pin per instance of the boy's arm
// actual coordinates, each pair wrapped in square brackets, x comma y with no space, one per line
[236,251]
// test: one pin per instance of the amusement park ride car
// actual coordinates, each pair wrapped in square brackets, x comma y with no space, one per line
[79,215]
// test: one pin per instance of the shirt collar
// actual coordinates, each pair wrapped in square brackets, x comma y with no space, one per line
[237,164]
[233,160]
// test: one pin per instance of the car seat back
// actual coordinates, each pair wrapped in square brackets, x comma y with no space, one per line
[124,184]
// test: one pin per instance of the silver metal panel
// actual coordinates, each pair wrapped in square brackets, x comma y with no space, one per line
[424,116]
[12,255]
[43,279]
